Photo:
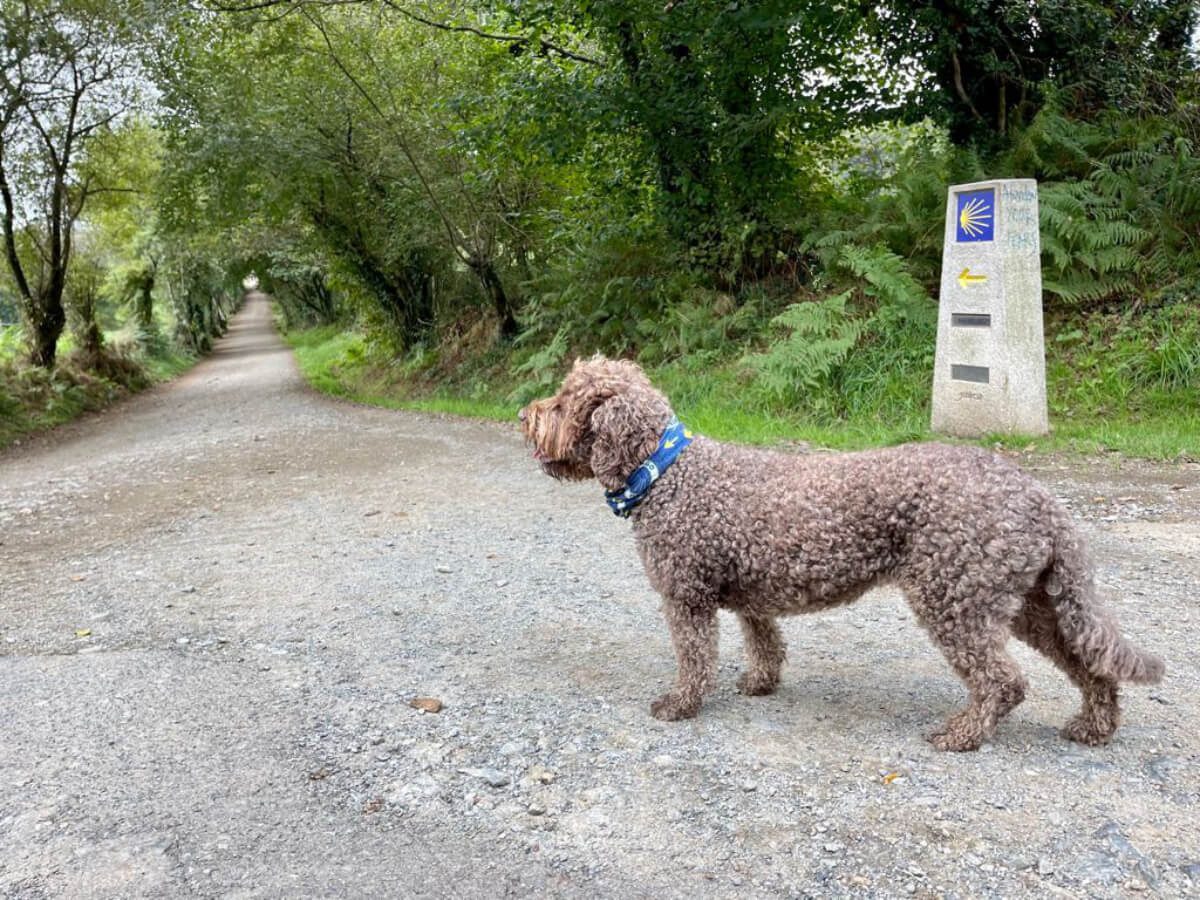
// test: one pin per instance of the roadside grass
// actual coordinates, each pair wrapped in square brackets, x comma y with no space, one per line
[33,399]
[1108,393]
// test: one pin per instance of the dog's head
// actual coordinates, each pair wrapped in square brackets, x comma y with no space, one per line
[603,422]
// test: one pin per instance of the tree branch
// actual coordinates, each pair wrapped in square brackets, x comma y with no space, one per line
[958,85]
[545,46]
[10,237]
[455,240]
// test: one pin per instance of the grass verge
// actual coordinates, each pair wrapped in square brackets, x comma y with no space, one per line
[33,399]
[1099,404]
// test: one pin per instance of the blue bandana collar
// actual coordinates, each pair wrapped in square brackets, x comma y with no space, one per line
[637,485]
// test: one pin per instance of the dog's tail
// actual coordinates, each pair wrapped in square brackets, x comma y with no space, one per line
[1089,629]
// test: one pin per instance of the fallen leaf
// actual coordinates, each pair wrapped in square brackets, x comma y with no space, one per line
[429,704]
[82,632]
[79,578]
[890,777]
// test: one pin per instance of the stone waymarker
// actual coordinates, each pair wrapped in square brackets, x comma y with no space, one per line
[990,366]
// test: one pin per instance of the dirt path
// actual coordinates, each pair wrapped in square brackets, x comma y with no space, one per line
[217,599]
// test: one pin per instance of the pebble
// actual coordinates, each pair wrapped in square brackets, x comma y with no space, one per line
[536,810]
[1045,867]
[491,777]
[445,570]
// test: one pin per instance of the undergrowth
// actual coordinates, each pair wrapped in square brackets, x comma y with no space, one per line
[1116,383]
[33,399]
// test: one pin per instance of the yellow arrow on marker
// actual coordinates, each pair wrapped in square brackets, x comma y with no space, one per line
[966,279]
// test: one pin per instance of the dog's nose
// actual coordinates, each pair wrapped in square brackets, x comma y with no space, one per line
[521,416]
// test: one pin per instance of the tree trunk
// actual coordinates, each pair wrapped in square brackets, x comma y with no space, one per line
[145,303]
[46,326]
[91,343]
[87,331]
[494,288]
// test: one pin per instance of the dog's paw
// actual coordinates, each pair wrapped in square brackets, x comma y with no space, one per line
[756,685]
[956,736]
[1083,730]
[958,743]
[671,708]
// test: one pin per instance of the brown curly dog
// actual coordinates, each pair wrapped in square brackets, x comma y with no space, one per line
[980,550]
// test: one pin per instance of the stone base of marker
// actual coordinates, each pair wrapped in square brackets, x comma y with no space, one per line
[990,365]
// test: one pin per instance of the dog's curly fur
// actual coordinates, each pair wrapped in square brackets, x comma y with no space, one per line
[980,550]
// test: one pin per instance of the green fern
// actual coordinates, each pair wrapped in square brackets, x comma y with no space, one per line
[821,335]
[1119,207]
[889,281]
[542,366]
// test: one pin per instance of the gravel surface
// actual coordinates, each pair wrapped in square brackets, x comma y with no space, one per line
[218,600]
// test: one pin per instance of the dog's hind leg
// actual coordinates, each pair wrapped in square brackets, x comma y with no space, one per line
[1037,625]
[694,633]
[996,687]
[765,652]
[972,636]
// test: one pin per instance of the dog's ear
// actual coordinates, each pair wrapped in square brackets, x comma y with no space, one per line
[625,430]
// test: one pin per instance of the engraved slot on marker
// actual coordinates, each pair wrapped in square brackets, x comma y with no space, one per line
[978,374]
[971,320]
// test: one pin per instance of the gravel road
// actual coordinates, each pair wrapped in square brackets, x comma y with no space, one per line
[218,599]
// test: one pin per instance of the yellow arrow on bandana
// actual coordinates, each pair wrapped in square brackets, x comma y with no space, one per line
[966,279]
[670,443]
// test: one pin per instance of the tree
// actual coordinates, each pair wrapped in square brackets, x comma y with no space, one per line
[994,63]
[67,73]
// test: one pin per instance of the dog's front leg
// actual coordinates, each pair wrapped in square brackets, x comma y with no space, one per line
[693,628]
